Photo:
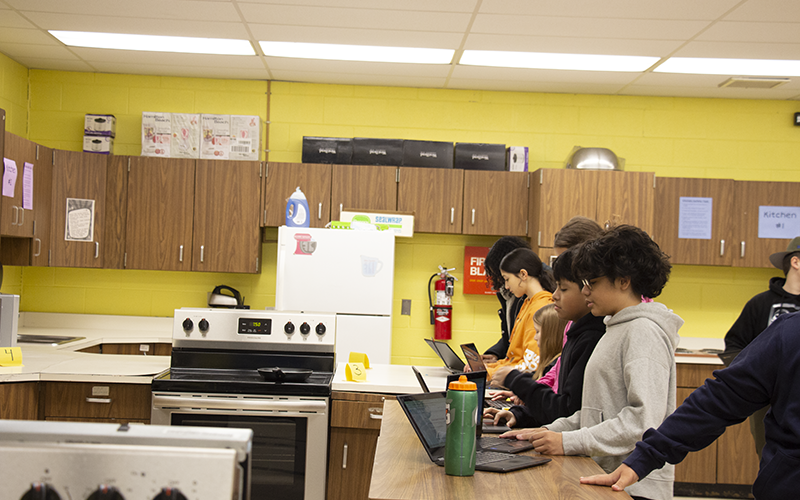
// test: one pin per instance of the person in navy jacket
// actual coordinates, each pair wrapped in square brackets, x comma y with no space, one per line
[767,371]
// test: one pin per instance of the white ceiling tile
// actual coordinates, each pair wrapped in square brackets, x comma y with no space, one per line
[539,75]
[167,58]
[741,50]
[752,32]
[356,18]
[767,10]
[26,35]
[109,24]
[385,38]
[12,19]
[29,50]
[583,27]
[58,64]
[356,67]
[187,10]
[183,71]
[413,5]
[533,86]
[358,79]
[568,45]
[623,9]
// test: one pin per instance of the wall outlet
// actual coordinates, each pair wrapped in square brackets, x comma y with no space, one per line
[405,309]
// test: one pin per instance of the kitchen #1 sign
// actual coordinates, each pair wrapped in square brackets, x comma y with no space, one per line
[475,280]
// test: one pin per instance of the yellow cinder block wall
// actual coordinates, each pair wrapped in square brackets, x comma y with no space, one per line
[740,139]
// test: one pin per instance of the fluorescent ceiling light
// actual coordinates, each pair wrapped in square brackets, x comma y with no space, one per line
[544,60]
[153,43]
[367,53]
[741,67]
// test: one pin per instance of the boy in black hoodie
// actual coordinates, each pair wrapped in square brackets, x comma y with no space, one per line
[782,297]
[542,405]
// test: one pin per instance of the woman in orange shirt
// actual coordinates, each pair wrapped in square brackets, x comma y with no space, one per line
[524,274]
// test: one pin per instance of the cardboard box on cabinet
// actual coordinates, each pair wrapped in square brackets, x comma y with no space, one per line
[368,151]
[338,150]
[474,156]
[431,154]
[517,159]
[98,144]
[100,125]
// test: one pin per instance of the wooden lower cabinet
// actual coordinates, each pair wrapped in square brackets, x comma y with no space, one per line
[728,467]
[97,402]
[19,400]
[354,430]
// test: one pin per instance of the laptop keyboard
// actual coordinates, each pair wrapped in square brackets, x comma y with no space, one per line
[500,405]
[487,457]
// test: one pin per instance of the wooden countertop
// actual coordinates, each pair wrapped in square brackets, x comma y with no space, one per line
[403,471]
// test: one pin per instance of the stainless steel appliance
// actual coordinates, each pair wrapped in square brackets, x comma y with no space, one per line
[76,460]
[214,380]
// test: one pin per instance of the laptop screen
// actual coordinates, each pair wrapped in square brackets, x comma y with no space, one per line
[427,413]
[447,355]
[473,357]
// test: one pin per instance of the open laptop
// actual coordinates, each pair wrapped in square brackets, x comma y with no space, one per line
[426,413]
[450,359]
[727,357]
[476,364]
[480,382]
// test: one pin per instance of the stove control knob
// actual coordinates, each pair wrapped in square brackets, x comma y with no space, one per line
[41,491]
[305,329]
[321,329]
[105,492]
[170,494]
[288,328]
[203,325]
[188,324]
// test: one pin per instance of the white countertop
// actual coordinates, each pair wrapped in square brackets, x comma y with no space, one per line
[47,362]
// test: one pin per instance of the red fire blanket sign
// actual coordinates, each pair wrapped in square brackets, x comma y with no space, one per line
[475,281]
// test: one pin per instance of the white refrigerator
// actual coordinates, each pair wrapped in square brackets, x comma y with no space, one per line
[346,272]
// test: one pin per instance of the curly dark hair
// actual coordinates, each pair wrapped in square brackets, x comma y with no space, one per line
[525,258]
[624,251]
[500,249]
[562,266]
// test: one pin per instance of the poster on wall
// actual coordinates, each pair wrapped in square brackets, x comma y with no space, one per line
[781,223]
[475,281]
[80,220]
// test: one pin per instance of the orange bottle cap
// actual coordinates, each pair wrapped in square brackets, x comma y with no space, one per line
[462,384]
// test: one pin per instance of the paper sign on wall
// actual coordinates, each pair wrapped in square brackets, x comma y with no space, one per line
[9,177]
[781,223]
[694,219]
[80,220]
[475,280]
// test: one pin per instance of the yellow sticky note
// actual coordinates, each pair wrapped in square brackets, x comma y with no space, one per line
[10,356]
[356,372]
[359,357]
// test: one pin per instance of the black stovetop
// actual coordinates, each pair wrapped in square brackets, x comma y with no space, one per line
[236,372]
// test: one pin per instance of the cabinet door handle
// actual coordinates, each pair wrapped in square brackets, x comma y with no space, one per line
[180,257]
[202,252]
[16,216]
[38,252]
[473,216]
[452,214]
[23,216]
[319,215]
[721,248]
[96,249]
[742,252]
[99,400]
[340,211]
[375,417]
[344,456]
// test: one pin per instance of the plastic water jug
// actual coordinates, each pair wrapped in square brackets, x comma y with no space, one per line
[297,210]
[460,450]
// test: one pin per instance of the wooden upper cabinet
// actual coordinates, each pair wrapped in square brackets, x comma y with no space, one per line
[716,250]
[226,216]
[281,180]
[160,208]
[434,195]
[16,221]
[495,203]
[42,206]
[752,251]
[626,198]
[79,190]
[557,195]
[362,187]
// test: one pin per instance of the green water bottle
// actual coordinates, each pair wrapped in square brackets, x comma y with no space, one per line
[462,414]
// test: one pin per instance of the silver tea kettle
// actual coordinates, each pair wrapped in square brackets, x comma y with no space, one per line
[218,299]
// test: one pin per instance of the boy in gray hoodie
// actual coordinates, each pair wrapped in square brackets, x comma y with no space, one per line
[629,383]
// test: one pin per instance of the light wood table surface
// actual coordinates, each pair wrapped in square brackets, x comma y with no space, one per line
[403,471]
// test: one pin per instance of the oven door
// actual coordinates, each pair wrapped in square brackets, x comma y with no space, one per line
[290,436]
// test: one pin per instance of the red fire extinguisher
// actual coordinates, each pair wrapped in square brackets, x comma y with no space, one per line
[442,310]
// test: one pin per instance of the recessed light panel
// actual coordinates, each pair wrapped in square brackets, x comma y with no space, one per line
[741,67]
[367,53]
[545,60]
[153,43]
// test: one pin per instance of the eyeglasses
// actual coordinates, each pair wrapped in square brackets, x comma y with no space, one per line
[590,282]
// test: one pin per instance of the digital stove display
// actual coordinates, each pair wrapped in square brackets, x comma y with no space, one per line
[255,326]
